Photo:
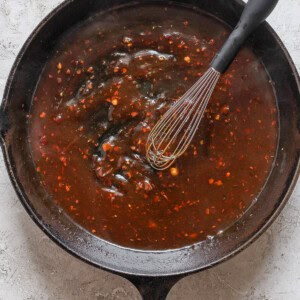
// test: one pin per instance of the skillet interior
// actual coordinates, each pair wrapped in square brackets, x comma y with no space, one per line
[61,229]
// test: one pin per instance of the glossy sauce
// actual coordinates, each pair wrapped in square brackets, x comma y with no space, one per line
[108,82]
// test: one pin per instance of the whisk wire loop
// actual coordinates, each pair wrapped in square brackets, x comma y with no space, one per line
[174,132]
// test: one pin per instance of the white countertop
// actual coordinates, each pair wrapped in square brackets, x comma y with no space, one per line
[33,267]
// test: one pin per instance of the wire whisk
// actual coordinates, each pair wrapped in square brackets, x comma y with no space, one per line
[171,136]
[174,132]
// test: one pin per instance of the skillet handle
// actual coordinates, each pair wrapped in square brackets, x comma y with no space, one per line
[154,288]
[255,12]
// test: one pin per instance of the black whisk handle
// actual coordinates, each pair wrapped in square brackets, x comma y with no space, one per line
[255,12]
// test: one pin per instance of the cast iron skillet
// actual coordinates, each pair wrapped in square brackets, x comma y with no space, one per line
[153,272]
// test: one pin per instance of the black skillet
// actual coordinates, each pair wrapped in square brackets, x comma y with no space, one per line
[153,272]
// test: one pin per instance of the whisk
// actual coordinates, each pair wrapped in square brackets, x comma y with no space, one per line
[173,133]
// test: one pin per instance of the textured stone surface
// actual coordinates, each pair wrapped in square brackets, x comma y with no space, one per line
[33,267]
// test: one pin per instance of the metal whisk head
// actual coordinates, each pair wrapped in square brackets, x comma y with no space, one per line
[174,132]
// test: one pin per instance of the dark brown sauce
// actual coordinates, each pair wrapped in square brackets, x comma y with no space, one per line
[108,82]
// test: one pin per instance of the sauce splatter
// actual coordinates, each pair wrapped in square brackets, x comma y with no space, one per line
[96,102]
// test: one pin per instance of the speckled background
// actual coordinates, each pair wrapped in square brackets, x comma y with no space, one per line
[33,267]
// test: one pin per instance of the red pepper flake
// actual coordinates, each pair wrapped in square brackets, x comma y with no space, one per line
[114,101]
[165,196]
[106,147]
[78,72]
[58,119]
[124,70]
[42,115]
[72,207]
[207,211]
[227,82]
[193,235]
[63,159]
[90,70]
[182,43]
[211,181]
[174,172]
[228,174]
[219,183]
[134,114]
[225,109]
[68,188]
[59,66]
[221,164]
[187,59]
[68,71]
[217,117]
[38,169]
[156,199]
[152,225]
[177,208]
[94,231]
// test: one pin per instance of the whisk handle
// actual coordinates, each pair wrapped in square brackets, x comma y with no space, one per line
[255,12]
